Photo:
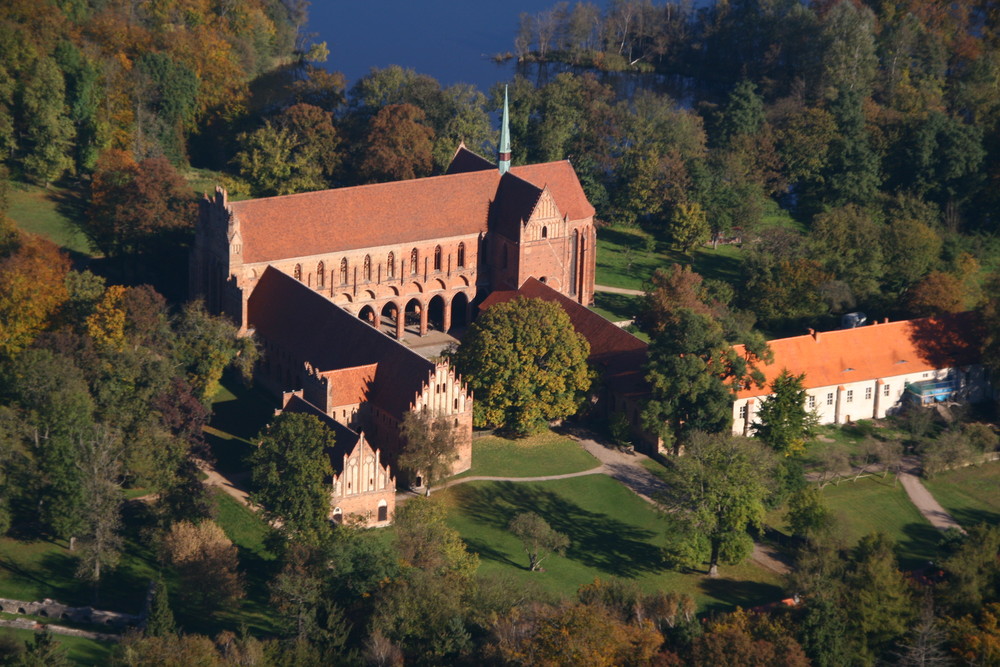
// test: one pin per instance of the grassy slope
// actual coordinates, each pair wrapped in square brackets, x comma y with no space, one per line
[971,494]
[48,213]
[79,650]
[543,454]
[613,533]
[874,504]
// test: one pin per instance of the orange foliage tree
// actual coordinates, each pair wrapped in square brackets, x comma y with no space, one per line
[32,288]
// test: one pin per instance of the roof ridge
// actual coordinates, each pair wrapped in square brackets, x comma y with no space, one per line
[423,179]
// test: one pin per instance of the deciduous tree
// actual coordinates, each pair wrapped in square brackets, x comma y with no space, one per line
[289,469]
[399,145]
[716,493]
[537,537]
[206,562]
[431,446]
[525,363]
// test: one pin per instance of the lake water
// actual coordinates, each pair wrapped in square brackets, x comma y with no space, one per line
[451,40]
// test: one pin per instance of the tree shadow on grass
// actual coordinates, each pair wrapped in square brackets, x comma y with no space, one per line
[230,454]
[488,552]
[244,416]
[969,517]
[596,540]
[730,593]
[622,306]
[921,545]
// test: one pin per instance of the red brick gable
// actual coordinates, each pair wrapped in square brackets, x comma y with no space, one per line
[560,178]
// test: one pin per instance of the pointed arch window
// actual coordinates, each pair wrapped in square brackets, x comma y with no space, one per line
[298,272]
[461,255]
[545,232]
[367,270]
[343,271]
[437,258]
[320,275]
[390,266]
[414,260]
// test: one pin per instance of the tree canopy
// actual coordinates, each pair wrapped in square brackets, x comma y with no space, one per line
[526,365]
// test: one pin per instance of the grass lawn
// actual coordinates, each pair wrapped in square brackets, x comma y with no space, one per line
[616,307]
[613,533]
[48,213]
[79,650]
[972,494]
[238,414]
[248,533]
[547,453]
[875,504]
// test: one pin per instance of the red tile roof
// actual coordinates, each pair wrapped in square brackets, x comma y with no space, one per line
[875,351]
[400,212]
[617,354]
[313,329]
[350,385]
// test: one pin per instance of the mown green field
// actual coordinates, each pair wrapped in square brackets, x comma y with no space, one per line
[49,213]
[547,453]
[613,533]
[78,650]
[971,494]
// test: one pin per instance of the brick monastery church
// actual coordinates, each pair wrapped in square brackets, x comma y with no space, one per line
[331,282]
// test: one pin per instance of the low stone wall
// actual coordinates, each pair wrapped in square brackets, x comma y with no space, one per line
[56,610]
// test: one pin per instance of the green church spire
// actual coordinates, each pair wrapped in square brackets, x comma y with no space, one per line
[503,159]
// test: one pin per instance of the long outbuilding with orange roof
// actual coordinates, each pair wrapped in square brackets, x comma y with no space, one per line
[871,371]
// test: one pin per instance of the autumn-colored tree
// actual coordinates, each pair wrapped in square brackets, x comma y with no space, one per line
[136,208]
[936,294]
[688,227]
[976,637]
[106,325]
[32,289]
[399,145]
[525,363]
[206,562]
[425,541]
[745,639]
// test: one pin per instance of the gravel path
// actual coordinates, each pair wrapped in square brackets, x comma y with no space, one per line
[922,498]
[618,290]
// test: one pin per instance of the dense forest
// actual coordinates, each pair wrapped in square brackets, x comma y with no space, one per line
[852,150]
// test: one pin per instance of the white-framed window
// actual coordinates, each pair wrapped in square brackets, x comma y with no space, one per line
[885,390]
[868,393]
[743,411]
[850,395]
[829,398]
[811,402]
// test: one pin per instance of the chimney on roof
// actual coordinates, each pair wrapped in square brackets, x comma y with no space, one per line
[814,334]
[885,320]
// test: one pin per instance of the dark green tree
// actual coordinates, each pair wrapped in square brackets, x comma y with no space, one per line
[47,129]
[289,470]
[782,420]
[879,605]
[161,618]
[853,175]
[692,372]
[716,494]
[526,365]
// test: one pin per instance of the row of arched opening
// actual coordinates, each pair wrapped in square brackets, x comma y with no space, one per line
[344,273]
[440,316]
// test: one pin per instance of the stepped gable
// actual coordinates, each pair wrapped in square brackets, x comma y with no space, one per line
[618,355]
[465,161]
[313,329]
[364,216]
[345,439]
[878,350]
[516,199]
